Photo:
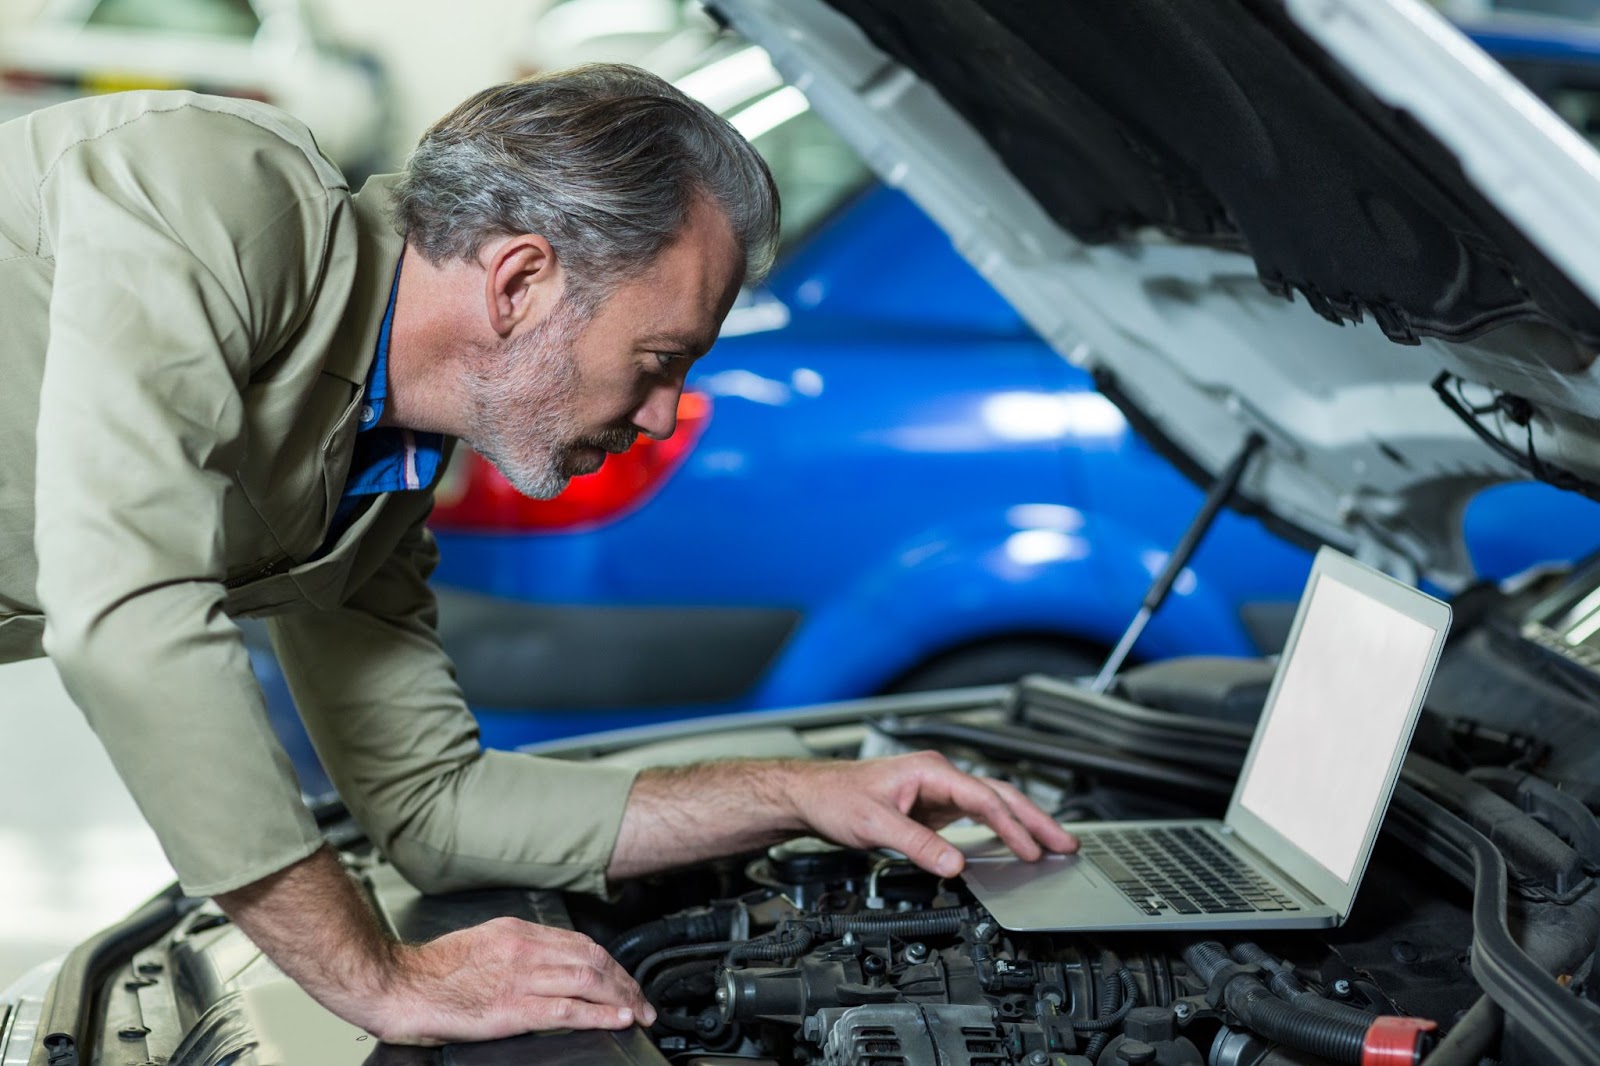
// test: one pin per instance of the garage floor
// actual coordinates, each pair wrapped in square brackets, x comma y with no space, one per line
[74,853]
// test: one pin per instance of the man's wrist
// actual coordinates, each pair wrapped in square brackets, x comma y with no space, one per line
[737,805]
[313,921]
[782,784]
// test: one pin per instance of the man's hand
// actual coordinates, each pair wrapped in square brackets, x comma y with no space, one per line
[899,802]
[503,978]
[498,979]
[688,814]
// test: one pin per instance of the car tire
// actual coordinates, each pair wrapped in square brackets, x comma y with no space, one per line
[1000,662]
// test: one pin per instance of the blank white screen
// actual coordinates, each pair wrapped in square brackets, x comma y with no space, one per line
[1331,734]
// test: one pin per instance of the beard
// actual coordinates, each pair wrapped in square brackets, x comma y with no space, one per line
[522,398]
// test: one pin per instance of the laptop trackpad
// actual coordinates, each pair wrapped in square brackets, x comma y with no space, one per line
[1057,892]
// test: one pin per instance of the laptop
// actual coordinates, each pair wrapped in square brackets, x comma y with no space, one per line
[1300,827]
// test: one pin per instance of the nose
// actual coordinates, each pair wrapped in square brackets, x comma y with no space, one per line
[657,416]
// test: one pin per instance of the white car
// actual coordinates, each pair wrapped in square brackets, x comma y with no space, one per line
[663,36]
[268,50]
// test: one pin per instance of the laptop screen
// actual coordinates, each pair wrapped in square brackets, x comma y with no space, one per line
[1328,743]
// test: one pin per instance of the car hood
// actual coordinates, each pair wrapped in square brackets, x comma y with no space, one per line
[1281,218]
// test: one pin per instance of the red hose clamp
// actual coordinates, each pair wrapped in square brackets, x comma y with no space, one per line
[1395,1041]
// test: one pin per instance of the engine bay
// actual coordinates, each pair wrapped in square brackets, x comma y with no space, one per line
[1473,938]
[851,960]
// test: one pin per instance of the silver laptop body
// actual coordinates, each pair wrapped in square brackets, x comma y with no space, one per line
[1310,799]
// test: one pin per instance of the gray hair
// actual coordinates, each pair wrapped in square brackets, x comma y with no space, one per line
[604,161]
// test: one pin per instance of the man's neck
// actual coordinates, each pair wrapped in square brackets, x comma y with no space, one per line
[429,335]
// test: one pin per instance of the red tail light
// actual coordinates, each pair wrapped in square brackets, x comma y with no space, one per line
[474,497]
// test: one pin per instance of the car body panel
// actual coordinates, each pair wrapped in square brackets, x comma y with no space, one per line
[1181,319]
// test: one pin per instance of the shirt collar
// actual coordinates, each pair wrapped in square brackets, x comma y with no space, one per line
[377,391]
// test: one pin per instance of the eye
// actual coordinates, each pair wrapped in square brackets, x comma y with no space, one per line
[666,360]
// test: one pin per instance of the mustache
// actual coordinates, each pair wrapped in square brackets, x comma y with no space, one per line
[615,440]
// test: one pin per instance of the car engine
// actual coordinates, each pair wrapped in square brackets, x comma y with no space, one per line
[846,959]
[1474,936]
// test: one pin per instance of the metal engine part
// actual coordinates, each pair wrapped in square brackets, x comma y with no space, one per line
[913,1034]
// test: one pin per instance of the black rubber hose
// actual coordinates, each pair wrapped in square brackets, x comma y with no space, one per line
[632,947]
[1283,981]
[1207,959]
[1288,986]
[1340,1039]
[790,941]
[1129,999]
[688,951]
[947,920]
[1110,993]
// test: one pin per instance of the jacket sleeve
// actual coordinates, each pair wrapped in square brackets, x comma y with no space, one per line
[380,701]
[157,309]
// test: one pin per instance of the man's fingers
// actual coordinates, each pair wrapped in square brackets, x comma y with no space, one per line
[582,982]
[544,1013]
[920,844]
[574,967]
[974,797]
[1043,827]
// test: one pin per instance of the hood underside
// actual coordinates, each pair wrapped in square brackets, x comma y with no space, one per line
[1191,199]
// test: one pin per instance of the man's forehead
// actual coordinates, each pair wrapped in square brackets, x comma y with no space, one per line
[682,299]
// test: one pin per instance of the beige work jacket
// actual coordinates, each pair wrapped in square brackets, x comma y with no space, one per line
[190,301]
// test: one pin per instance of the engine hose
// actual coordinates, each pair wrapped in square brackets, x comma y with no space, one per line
[1207,959]
[1110,994]
[791,940]
[1129,998]
[1250,1001]
[687,951]
[632,947]
[1287,985]
[946,920]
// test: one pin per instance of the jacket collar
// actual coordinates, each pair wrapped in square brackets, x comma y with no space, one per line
[378,250]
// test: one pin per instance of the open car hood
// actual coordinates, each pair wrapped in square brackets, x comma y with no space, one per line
[1285,218]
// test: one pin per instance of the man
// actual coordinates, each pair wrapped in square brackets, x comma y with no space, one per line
[229,385]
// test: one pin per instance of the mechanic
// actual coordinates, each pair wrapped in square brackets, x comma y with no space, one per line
[230,386]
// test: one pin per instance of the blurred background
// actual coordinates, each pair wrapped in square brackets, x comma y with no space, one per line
[367,75]
[883,480]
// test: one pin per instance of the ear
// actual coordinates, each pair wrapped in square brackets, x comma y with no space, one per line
[522,282]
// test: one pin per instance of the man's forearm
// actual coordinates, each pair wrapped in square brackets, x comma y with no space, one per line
[689,814]
[680,815]
[311,920]
[488,981]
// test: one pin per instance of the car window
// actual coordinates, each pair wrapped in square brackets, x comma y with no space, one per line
[210,18]
[816,172]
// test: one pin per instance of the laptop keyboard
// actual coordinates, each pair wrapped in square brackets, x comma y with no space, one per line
[1182,870]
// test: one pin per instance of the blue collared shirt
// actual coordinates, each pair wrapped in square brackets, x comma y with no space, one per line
[386,459]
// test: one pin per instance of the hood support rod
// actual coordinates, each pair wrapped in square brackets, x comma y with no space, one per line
[1222,490]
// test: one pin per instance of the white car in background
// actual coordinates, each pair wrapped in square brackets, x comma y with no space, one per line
[667,37]
[268,50]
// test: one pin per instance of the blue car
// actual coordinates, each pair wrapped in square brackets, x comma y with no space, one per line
[883,481]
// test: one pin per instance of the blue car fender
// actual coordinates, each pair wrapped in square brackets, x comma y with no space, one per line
[1029,569]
